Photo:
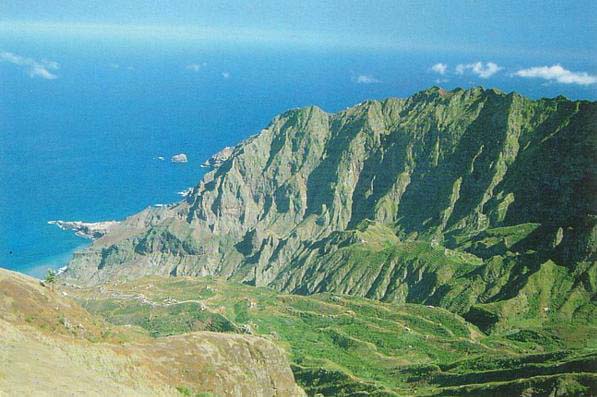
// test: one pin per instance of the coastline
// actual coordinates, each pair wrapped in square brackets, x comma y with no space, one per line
[89,230]
[38,270]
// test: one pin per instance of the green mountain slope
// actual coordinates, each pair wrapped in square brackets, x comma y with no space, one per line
[474,192]
[342,345]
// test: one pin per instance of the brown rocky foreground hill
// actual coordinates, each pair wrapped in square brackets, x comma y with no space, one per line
[49,345]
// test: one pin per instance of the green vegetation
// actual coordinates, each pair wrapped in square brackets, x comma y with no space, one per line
[466,199]
[443,243]
[169,320]
[187,392]
[50,277]
[342,345]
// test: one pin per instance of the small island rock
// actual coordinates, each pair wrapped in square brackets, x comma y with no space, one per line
[179,158]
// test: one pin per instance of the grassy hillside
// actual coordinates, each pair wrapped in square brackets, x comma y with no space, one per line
[342,345]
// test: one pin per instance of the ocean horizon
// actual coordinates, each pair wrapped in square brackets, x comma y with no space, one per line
[86,145]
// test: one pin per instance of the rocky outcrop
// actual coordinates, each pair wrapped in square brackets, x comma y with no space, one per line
[222,364]
[388,199]
[88,230]
[219,158]
[179,158]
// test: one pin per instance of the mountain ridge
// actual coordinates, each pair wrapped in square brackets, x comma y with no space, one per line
[469,192]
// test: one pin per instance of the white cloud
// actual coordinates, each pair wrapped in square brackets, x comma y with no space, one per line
[440,68]
[33,68]
[195,67]
[225,75]
[484,71]
[40,71]
[557,73]
[366,79]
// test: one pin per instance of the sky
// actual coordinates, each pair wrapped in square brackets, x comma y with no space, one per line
[548,42]
[568,28]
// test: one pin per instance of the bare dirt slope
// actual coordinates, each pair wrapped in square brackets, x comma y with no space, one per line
[50,346]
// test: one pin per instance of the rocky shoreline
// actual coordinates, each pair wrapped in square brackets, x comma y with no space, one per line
[88,230]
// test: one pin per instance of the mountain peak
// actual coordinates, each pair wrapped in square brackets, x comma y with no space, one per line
[438,169]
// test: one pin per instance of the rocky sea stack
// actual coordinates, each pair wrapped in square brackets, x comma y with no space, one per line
[179,158]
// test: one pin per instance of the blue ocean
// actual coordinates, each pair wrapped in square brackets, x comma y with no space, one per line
[85,145]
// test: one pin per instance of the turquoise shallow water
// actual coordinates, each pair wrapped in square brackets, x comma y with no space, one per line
[40,268]
[84,146]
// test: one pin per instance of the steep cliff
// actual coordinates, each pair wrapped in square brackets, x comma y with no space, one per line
[474,200]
